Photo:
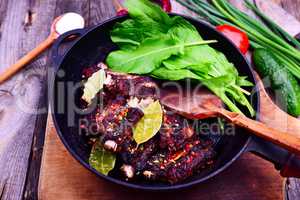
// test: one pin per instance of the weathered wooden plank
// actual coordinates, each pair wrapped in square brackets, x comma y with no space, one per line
[23,27]
[33,172]
[292,6]
[292,189]
[100,10]
[81,7]
[61,6]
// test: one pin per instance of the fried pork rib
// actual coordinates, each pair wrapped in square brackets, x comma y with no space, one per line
[136,160]
[172,155]
[173,135]
[176,167]
[174,132]
[115,125]
[130,86]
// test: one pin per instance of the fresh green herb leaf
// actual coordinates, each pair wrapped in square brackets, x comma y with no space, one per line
[242,81]
[146,57]
[212,67]
[149,55]
[174,75]
[218,86]
[101,159]
[150,123]
[93,85]
[147,12]
[130,33]
[147,20]
[197,55]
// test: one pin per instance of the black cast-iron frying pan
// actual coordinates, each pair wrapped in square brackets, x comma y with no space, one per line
[91,47]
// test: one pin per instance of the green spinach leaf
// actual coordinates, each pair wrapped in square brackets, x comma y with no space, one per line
[147,20]
[242,81]
[173,75]
[149,55]
[130,33]
[149,13]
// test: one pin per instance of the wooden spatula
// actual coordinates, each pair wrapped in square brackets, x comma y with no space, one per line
[201,105]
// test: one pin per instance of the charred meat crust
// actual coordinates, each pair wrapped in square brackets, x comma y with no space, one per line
[177,166]
[124,84]
[174,132]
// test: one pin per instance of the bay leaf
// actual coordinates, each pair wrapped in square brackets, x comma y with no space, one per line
[101,159]
[150,123]
[93,85]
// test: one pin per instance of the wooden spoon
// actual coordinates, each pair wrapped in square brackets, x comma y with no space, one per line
[61,24]
[199,105]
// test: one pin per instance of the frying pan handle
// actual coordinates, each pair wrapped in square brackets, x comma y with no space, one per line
[286,162]
[292,167]
[71,37]
[298,37]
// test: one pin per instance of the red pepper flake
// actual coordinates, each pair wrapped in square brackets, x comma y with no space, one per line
[189,160]
[193,154]
[188,147]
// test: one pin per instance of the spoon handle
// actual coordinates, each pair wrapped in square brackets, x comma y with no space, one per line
[10,71]
[283,139]
[117,5]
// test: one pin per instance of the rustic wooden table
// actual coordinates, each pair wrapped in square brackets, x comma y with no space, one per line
[23,99]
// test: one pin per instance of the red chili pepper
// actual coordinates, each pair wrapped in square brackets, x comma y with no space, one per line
[165,4]
[122,12]
[238,37]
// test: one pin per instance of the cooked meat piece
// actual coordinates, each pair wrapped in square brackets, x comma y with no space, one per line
[174,132]
[130,85]
[138,157]
[175,167]
[173,135]
[125,85]
[115,124]
[89,71]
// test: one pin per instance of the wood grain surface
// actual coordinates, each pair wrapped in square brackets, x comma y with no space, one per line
[30,191]
[23,24]
[21,30]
